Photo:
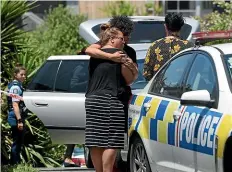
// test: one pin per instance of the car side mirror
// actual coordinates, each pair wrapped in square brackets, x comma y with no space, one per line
[197,98]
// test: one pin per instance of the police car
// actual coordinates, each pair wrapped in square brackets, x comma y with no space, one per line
[182,119]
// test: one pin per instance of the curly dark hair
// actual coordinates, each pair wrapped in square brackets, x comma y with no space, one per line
[174,21]
[123,23]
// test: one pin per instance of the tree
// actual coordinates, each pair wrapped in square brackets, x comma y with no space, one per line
[119,8]
[11,34]
[13,44]
[151,9]
[58,35]
[216,21]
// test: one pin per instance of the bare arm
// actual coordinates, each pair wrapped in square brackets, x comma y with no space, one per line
[95,52]
[133,68]
[135,71]
[128,74]
[16,110]
[17,114]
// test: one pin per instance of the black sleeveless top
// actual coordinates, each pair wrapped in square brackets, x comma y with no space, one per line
[105,77]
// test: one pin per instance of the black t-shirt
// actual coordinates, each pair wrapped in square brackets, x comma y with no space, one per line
[130,52]
[105,77]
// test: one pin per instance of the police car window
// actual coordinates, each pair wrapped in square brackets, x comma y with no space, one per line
[72,76]
[228,59]
[202,76]
[169,80]
[45,77]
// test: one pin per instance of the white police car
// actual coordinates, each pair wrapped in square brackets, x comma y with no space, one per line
[182,120]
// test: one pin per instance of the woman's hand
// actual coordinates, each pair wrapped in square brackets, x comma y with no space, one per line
[129,63]
[20,126]
[118,57]
[132,66]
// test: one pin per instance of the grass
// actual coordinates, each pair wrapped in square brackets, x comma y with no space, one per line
[19,168]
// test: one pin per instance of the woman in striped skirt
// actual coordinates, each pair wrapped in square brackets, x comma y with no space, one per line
[105,117]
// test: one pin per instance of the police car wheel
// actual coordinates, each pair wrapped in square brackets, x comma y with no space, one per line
[138,157]
[227,159]
[88,161]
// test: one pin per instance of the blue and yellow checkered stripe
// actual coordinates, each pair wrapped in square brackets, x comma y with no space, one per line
[157,124]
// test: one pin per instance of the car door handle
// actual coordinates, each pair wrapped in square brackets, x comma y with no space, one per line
[176,114]
[147,106]
[40,104]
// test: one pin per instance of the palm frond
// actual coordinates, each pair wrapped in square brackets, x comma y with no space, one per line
[11,33]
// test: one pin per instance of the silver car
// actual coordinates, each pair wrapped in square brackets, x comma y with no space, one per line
[147,29]
[57,92]
[57,95]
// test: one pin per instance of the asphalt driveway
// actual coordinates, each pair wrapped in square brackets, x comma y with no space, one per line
[62,169]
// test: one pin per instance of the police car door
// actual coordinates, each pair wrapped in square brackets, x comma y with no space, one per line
[166,90]
[197,125]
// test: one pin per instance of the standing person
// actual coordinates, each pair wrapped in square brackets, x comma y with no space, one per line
[77,81]
[16,115]
[126,26]
[163,49]
[105,117]
[68,156]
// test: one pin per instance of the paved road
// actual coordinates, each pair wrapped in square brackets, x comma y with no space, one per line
[62,169]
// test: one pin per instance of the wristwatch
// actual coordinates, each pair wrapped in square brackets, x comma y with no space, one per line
[19,120]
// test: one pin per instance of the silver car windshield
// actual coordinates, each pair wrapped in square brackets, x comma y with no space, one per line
[228,59]
[149,31]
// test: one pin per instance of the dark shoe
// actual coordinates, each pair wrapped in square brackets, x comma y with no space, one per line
[70,165]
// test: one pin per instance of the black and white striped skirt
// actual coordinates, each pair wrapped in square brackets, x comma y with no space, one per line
[105,122]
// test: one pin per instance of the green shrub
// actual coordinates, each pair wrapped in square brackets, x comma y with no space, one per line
[155,10]
[59,35]
[19,168]
[38,149]
[119,8]
[216,21]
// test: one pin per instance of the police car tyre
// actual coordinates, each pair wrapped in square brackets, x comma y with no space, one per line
[227,160]
[88,160]
[138,157]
